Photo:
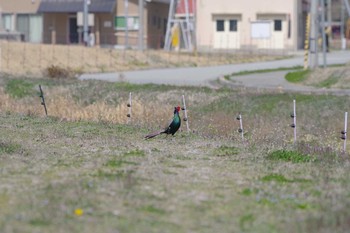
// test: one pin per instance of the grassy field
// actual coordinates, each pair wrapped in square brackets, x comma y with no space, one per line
[83,169]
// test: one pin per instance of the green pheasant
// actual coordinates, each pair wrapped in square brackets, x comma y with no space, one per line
[173,126]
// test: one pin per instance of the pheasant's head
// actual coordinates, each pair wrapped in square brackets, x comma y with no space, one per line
[178,108]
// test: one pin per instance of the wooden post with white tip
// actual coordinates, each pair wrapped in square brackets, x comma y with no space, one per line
[344,132]
[294,124]
[185,113]
[129,107]
[240,130]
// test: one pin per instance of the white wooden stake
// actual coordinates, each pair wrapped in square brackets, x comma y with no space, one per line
[240,130]
[295,121]
[345,131]
[129,106]
[185,112]
[294,124]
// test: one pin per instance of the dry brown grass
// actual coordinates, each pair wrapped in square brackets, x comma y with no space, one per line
[60,104]
[150,110]
[32,59]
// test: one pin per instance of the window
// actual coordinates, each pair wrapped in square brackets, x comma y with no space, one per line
[132,23]
[23,25]
[7,22]
[220,25]
[278,25]
[233,25]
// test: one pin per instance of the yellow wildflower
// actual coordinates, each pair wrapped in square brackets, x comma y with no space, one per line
[78,212]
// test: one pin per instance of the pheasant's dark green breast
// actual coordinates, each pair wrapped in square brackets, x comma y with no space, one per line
[175,124]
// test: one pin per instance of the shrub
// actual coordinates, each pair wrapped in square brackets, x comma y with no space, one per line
[58,72]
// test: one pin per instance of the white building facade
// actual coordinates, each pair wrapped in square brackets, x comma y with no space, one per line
[258,24]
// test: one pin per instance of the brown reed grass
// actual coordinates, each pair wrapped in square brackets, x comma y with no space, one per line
[60,104]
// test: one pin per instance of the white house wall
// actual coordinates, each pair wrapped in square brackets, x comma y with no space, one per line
[247,12]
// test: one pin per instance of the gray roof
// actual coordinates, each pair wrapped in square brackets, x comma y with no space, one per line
[70,6]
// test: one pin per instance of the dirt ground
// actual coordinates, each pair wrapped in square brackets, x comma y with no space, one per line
[32,59]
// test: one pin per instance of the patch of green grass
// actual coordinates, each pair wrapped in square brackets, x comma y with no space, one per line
[39,222]
[329,82]
[302,206]
[152,209]
[116,163]
[226,151]
[275,177]
[19,88]
[290,156]
[267,201]
[227,77]
[247,72]
[134,153]
[247,192]
[113,174]
[297,76]
[246,220]
[281,179]
[8,148]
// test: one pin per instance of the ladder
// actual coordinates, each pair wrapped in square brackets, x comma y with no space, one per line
[186,25]
[347,5]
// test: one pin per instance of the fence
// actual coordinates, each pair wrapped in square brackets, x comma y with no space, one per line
[29,58]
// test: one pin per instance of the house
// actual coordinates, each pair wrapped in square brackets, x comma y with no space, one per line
[20,16]
[233,24]
[63,22]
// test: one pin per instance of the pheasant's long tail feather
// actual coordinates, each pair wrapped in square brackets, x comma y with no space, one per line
[152,135]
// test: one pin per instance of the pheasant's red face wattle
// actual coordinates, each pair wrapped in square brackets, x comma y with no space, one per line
[178,108]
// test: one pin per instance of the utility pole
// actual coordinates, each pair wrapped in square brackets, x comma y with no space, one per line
[314,35]
[85,22]
[141,5]
[347,5]
[126,11]
[324,33]
[342,22]
[329,11]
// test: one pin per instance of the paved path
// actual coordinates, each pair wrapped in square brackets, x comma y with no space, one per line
[202,76]
[276,81]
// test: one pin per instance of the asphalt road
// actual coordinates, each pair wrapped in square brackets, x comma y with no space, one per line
[202,76]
